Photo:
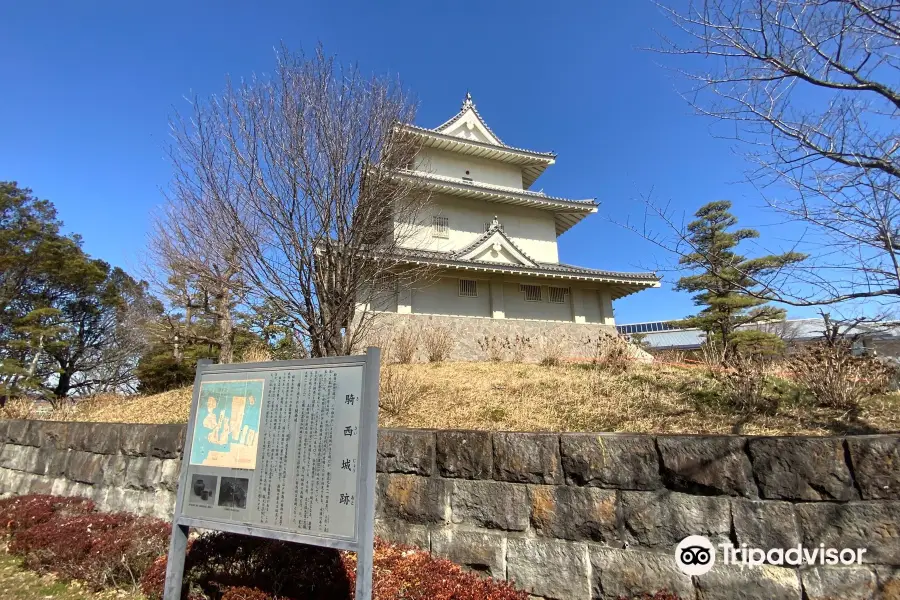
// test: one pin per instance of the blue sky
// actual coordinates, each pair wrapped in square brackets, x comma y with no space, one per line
[89,87]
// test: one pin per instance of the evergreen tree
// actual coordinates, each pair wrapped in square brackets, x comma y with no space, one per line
[67,321]
[723,279]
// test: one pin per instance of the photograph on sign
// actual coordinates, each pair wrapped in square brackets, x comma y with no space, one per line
[277,449]
[203,489]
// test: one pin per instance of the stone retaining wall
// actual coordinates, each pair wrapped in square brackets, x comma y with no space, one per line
[565,516]
[570,340]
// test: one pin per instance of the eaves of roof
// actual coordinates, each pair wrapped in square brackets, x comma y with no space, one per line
[567,212]
[587,205]
[533,163]
[622,284]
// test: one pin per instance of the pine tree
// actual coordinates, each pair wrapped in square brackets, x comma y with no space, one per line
[723,278]
[67,321]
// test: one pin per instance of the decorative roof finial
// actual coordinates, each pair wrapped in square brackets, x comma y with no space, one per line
[468,101]
[495,224]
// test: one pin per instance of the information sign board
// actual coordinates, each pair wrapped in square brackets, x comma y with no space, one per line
[284,450]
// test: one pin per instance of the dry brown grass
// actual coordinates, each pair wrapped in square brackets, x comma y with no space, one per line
[568,397]
[168,407]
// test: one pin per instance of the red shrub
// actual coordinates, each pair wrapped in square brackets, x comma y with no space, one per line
[244,593]
[100,549]
[218,561]
[62,545]
[65,536]
[225,566]
[153,580]
[18,513]
[120,557]
[410,573]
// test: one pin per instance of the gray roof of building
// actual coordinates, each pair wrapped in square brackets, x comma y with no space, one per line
[802,330]
[623,283]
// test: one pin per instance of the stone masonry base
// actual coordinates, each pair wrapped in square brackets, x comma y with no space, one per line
[469,334]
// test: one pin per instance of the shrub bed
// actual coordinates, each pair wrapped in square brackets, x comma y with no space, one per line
[68,537]
[23,512]
[230,567]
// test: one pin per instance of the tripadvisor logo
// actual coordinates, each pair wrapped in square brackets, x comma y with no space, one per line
[695,555]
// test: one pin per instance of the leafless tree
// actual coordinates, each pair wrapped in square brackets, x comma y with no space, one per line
[810,86]
[294,173]
[112,367]
[200,268]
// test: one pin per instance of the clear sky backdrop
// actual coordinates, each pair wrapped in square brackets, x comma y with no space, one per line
[88,86]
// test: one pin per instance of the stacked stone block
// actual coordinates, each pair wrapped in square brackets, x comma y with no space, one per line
[120,467]
[582,516]
[567,516]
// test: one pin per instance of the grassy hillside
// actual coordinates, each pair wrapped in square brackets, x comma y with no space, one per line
[571,397]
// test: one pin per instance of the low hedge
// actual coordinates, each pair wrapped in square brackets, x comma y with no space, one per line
[68,537]
[233,567]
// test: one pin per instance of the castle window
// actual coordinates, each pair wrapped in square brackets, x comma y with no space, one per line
[385,282]
[532,292]
[440,227]
[558,295]
[468,288]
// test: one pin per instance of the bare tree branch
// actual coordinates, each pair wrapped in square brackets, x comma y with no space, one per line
[291,180]
[810,86]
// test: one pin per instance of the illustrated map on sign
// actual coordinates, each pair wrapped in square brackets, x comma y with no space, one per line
[226,429]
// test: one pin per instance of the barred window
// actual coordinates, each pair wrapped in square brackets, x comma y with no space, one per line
[386,282]
[440,227]
[558,295]
[532,292]
[468,288]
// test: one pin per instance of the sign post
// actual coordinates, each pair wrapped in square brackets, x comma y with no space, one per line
[283,450]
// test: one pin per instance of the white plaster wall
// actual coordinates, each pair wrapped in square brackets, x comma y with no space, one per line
[382,300]
[517,308]
[531,229]
[442,298]
[451,164]
[590,305]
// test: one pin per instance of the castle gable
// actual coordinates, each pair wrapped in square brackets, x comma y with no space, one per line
[494,246]
[469,125]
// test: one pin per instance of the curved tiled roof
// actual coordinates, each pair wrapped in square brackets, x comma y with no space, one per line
[588,203]
[469,104]
[535,153]
[552,269]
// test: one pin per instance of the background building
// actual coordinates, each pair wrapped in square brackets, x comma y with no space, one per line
[882,339]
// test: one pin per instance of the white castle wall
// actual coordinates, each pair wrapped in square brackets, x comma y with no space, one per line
[500,296]
[533,230]
[451,164]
